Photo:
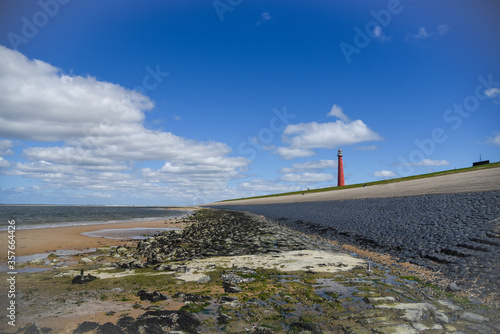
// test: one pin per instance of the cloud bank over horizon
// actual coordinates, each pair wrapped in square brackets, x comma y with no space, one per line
[93,135]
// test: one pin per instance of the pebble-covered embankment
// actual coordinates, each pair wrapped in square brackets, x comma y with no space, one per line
[455,234]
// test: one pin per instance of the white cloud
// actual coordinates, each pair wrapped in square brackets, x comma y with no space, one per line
[257,142]
[304,137]
[306,178]
[72,181]
[138,145]
[212,169]
[443,29]
[69,155]
[42,167]
[60,106]
[494,140]
[4,163]
[264,17]
[310,165]
[268,147]
[263,187]
[337,111]
[379,34]
[290,153]
[328,135]
[492,92]
[5,147]
[428,162]
[100,126]
[308,173]
[384,174]
[423,34]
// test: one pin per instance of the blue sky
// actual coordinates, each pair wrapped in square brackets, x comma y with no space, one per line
[187,102]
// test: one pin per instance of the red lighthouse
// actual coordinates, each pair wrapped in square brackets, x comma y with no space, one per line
[340,181]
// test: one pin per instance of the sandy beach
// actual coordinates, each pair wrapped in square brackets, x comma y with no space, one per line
[47,240]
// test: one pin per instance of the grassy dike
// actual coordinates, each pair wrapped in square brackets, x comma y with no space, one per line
[359,185]
[328,296]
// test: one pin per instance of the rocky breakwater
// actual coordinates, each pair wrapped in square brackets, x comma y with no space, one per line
[220,233]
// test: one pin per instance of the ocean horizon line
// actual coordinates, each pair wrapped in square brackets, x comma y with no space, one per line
[52,216]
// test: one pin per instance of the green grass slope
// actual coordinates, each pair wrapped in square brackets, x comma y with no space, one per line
[401,179]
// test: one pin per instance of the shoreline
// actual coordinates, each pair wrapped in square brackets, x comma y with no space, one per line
[47,240]
[84,221]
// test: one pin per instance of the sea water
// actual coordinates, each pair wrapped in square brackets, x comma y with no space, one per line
[51,216]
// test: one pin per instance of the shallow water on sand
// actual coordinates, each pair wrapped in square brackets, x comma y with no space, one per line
[49,216]
[137,233]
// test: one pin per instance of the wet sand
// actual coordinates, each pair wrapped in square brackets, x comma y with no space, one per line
[47,240]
